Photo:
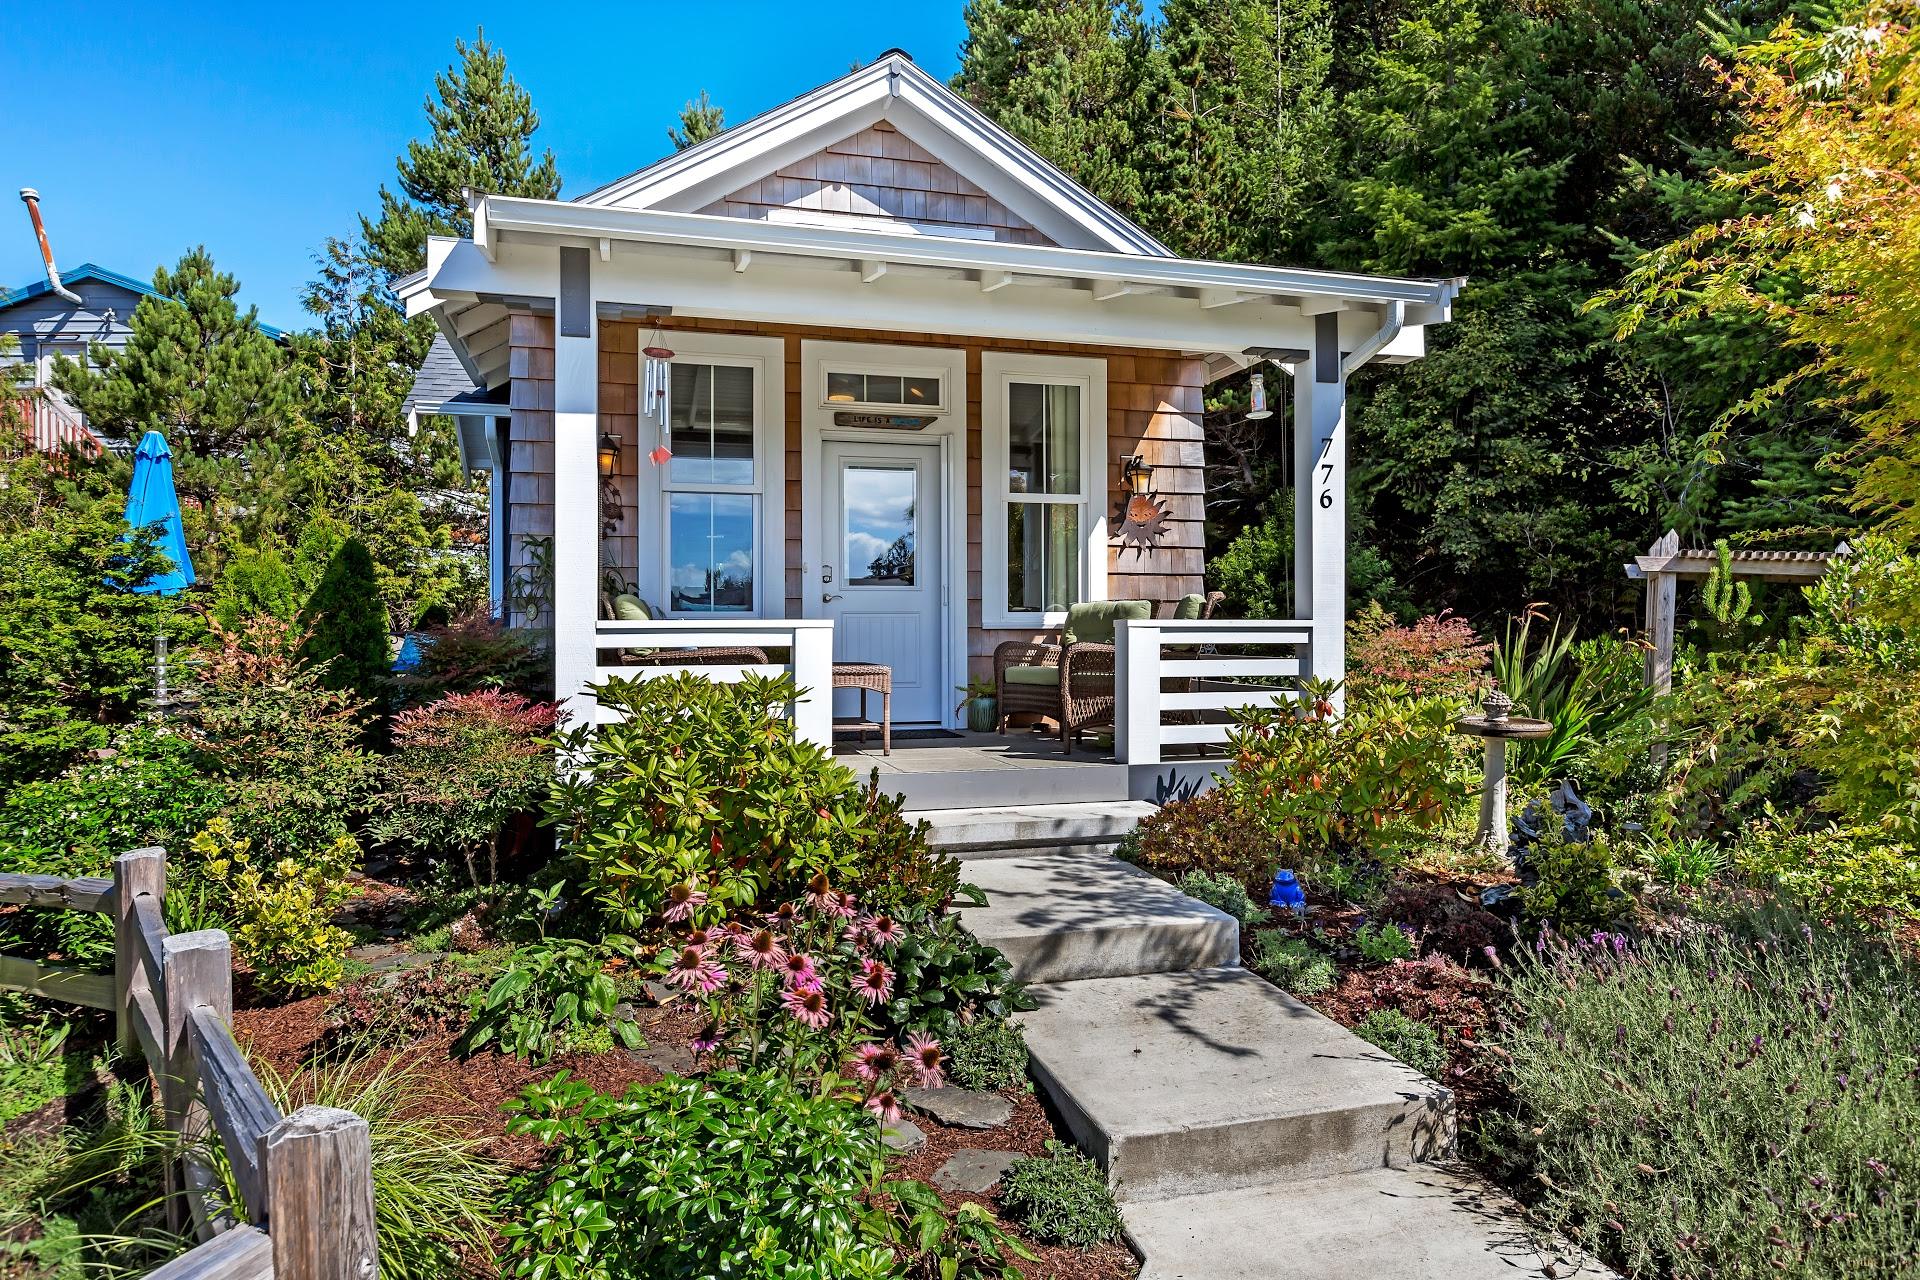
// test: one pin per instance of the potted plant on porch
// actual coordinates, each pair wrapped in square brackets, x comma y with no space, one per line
[977,701]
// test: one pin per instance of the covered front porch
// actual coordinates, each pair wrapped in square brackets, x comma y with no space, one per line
[864,382]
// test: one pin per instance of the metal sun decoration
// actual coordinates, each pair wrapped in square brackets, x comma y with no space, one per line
[656,393]
[1141,520]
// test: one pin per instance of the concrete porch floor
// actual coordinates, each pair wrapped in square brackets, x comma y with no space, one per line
[967,752]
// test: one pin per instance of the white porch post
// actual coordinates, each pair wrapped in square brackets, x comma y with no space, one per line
[1320,502]
[576,485]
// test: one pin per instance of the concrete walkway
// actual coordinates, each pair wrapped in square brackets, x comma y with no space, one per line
[1246,1136]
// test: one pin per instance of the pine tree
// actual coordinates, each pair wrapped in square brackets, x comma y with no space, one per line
[699,120]
[196,368]
[482,128]
[1065,77]
[347,624]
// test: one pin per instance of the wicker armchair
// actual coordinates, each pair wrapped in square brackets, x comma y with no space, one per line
[1071,681]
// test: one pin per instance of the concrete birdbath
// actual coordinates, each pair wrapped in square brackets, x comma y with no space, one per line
[1496,725]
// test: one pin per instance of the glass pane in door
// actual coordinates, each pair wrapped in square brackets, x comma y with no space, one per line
[877,524]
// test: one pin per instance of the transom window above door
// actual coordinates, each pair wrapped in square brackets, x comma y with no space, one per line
[916,390]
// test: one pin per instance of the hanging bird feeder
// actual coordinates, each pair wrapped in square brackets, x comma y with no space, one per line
[1258,409]
[656,393]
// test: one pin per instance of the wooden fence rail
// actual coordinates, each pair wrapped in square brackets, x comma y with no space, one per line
[305,1180]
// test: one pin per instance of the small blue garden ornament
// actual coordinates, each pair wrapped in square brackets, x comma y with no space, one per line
[1287,893]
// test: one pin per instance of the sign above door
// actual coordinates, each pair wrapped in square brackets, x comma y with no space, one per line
[886,421]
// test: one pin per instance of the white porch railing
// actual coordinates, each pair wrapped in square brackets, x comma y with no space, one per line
[1150,717]
[807,642]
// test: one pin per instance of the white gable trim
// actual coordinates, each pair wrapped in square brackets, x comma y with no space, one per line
[895,90]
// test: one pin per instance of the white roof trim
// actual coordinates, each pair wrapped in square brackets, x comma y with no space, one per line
[517,217]
[935,117]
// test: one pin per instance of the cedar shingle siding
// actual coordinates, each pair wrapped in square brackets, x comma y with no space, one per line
[1153,408]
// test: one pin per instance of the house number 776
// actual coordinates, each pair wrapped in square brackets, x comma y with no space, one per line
[1326,477]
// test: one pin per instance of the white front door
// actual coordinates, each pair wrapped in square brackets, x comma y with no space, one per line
[880,571]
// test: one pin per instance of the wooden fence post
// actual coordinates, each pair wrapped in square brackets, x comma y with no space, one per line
[196,970]
[319,1164]
[135,873]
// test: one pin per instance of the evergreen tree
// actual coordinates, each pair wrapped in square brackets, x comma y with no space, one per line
[699,120]
[482,127]
[196,368]
[1066,77]
[347,624]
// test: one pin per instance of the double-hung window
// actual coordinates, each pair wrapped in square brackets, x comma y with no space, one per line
[714,489]
[1043,427]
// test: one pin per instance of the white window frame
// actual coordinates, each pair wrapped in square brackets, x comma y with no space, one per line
[998,371]
[767,358]
[939,373]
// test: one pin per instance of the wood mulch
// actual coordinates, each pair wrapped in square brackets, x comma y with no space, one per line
[289,1037]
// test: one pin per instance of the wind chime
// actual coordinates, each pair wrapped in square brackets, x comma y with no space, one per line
[656,393]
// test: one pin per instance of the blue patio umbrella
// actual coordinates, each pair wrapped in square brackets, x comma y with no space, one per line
[152,500]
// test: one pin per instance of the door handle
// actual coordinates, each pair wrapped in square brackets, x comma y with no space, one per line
[828,597]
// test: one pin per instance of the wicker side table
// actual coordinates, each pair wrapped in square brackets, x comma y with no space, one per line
[866,676]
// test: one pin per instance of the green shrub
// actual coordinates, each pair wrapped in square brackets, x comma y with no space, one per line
[461,768]
[282,907]
[347,633]
[942,973]
[1414,1043]
[730,1174]
[1691,862]
[1592,692]
[287,750]
[1732,1102]
[472,652]
[36,1066]
[1205,833]
[1574,891]
[1382,943]
[76,646]
[987,1053]
[258,580]
[1389,770]
[549,997]
[435,1195]
[1292,964]
[1061,1196]
[1859,872]
[703,787]
[1223,892]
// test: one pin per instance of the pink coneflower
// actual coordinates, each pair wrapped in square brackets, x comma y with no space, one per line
[708,1040]
[923,1055]
[819,892]
[883,1104]
[808,1005]
[843,904]
[799,971]
[874,1060]
[705,939]
[874,982]
[761,949]
[783,916]
[694,972]
[883,930]
[682,901]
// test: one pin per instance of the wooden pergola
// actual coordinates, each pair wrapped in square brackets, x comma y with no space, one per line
[1666,564]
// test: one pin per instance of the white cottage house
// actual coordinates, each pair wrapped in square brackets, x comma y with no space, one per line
[917,374]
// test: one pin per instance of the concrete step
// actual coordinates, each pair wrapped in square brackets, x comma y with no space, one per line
[1185,1083]
[1422,1223]
[1011,829]
[1062,917]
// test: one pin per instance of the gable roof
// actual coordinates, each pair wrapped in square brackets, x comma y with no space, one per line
[934,117]
[89,271]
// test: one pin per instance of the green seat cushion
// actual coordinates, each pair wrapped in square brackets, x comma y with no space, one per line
[629,608]
[1093,623]
[1190,608]
[1033,675]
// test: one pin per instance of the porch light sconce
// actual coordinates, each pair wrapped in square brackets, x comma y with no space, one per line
[609,455]
[1257,408]
[1141,520]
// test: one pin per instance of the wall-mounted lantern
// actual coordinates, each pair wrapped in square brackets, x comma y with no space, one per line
[609,455]
[1136,476]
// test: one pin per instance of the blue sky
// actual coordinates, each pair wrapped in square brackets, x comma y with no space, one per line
[260,130]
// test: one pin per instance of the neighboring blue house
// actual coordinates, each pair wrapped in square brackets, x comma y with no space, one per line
[48,325]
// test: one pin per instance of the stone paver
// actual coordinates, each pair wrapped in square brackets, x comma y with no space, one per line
[903,1136]
[962,1108]
[974,1171]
